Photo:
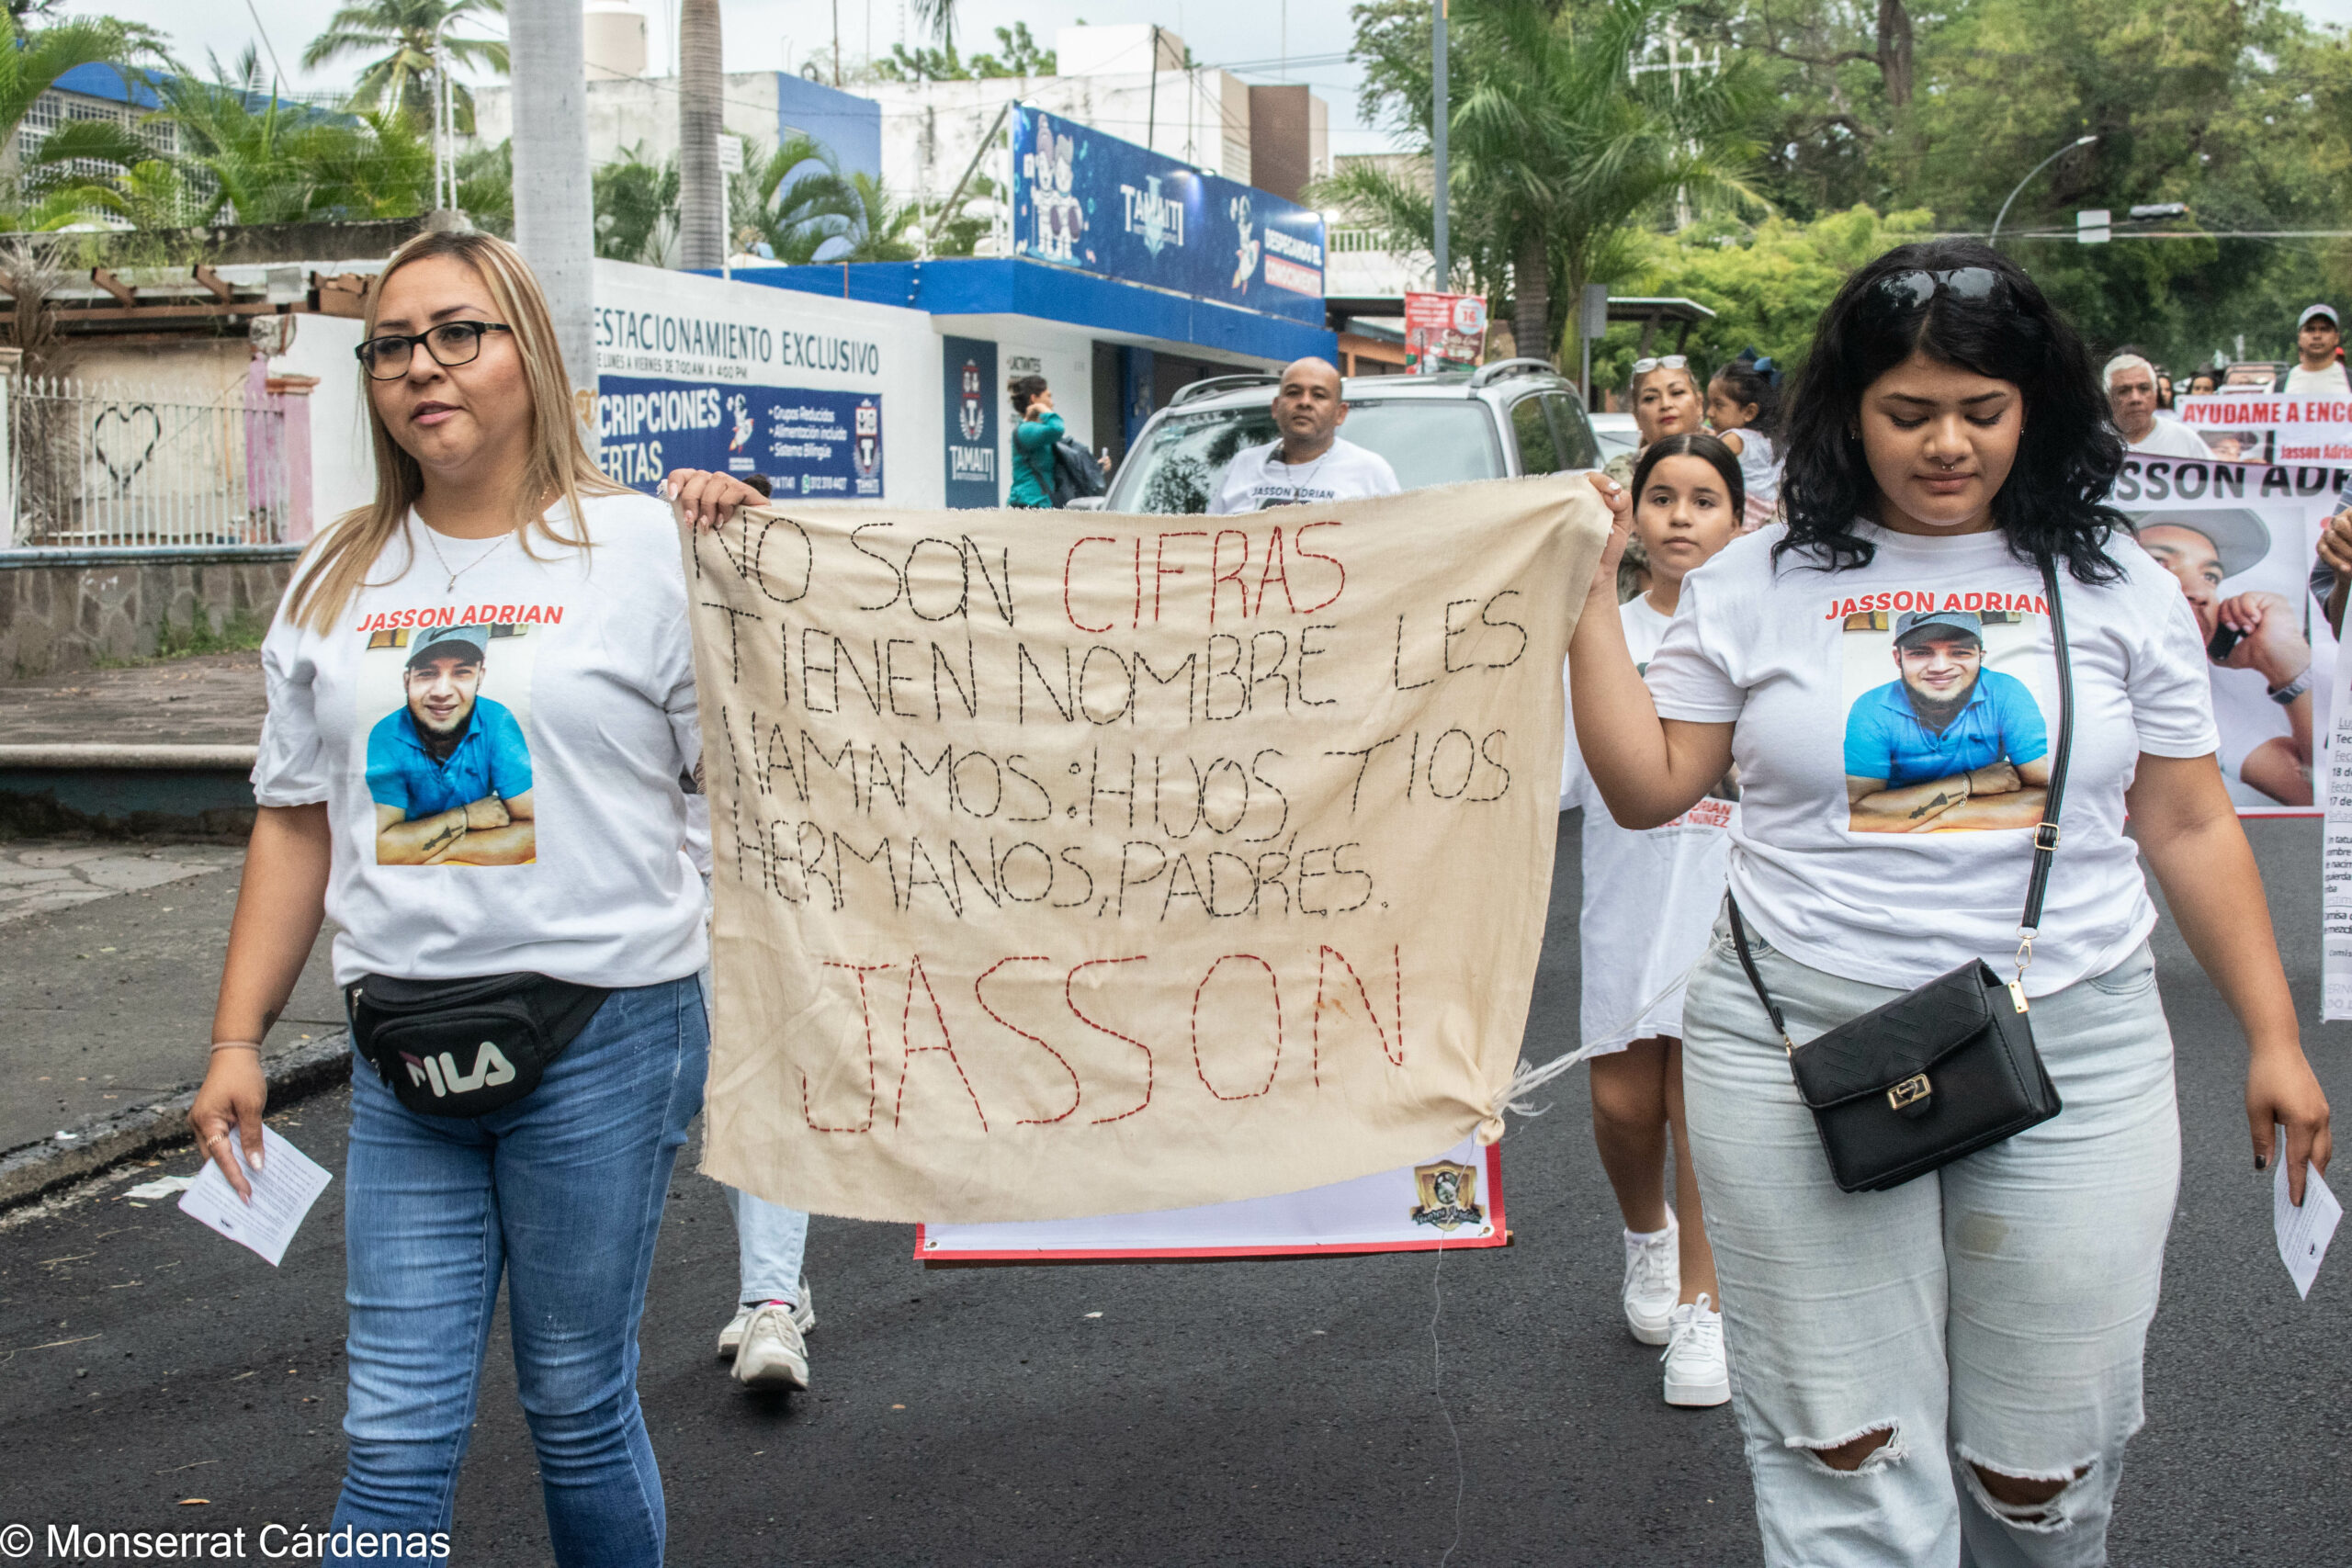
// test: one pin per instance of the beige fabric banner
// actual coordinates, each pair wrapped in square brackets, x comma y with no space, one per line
[1069,863]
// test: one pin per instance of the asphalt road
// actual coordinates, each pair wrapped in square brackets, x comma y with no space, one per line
[1252,1413]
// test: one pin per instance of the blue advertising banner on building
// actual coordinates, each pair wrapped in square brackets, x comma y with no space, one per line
[1085,200]
[808,443]
[967,375]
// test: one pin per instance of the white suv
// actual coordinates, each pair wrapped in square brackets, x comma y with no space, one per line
[1519,416]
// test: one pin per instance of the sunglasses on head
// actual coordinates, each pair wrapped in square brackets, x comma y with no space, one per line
[1663,362]
[1914,291]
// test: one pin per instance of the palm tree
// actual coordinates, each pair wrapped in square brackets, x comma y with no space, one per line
[253,157]
[401,78]
[1558,151]
[38,186]
[702,240]
[636,208]
[879,226]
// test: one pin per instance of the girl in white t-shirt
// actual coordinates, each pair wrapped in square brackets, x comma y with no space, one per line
[1947,1370]
[1649,898]
[482,733]
[1745,408]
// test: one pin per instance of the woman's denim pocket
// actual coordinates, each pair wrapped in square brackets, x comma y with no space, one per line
[2135,974]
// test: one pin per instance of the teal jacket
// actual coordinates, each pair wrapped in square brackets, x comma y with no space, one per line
[1032,460]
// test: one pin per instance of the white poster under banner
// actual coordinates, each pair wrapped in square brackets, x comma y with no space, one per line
[1453,1202]
[2336,862]
[2243,536]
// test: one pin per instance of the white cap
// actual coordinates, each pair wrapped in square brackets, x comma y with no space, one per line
[2310,310]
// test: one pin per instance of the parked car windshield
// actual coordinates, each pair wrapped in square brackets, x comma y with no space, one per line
[1426,440]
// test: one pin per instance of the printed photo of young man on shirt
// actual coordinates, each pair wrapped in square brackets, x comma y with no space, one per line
[449,770]
[1948,744]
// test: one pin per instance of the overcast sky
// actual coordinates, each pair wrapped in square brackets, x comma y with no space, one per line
[765,35]
[780,34]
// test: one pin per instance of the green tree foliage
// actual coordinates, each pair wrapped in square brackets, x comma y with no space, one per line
[1560,154]
[249,156]
[48,185]
[400,78]
[2240,109]
[637,209]
[1767,283]
[1018,55]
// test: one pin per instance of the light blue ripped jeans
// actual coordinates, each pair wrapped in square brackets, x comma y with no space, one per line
[1993,1313]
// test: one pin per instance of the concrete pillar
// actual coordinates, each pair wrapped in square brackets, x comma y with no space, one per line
[294,395]
[554,210]
[11,360]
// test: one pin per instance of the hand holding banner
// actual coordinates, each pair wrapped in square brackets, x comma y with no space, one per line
[1075,863]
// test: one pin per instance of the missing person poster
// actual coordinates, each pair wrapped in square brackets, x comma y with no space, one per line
[2240,538]
[1124,865]
[2254,424]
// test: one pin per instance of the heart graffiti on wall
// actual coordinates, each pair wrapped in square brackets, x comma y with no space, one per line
[124,438]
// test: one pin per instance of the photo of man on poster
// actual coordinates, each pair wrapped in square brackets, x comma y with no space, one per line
[2266,740]
[1947,744]
[449,770]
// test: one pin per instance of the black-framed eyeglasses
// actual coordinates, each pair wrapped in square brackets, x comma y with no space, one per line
[1915,291]
[387,358]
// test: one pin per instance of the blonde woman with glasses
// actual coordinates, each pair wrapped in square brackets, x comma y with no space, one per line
[480,737]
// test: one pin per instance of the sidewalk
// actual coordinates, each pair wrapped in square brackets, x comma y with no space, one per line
[110,951]
[155,750]
[213,699]
[109,963]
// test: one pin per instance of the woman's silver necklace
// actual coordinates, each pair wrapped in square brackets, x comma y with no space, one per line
[434,541]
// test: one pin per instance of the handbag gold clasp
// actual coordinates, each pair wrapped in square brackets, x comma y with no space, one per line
[1910,1091]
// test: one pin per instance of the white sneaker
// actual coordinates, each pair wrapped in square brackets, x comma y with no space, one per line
[772,1355]
[804,1317]
[1695,1370]
[1653,1281]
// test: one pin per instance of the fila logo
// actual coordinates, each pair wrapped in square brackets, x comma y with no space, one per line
[490,1069]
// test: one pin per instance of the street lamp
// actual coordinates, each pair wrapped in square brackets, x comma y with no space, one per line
[2077,141]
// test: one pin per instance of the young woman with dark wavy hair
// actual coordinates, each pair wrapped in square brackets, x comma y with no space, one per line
[1947,1371]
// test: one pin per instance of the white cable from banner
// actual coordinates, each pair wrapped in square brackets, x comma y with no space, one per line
[1525,1081]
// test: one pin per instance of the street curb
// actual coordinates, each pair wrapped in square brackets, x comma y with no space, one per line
[111,1137]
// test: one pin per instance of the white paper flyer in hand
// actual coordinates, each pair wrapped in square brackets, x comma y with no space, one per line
[284,1189]
[2304,1233]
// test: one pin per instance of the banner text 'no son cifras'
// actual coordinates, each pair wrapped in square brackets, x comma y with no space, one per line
[1076,863]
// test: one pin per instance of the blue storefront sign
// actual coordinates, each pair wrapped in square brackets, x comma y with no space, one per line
[810,443]
[1094,203]
[967,376]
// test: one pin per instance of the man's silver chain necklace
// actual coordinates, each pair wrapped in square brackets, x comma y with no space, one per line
[1320,459]
[434,541]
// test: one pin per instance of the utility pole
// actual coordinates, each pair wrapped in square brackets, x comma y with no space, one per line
[702,186]
[1438,116]
[1151,113]
[554,210]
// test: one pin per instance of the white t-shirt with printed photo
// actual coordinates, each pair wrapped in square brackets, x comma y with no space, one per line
[551,688]
[1650,896]
[1258,477]
[1805,664]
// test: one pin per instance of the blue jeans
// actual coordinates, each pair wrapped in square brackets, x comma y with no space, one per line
[561,1193]
[769,1242]
[1992,1314]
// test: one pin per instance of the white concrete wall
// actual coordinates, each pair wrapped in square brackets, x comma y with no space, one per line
[642,114]
[905,368]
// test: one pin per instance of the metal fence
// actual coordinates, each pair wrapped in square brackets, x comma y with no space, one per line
[110,466]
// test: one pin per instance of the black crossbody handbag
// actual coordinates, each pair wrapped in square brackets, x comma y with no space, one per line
[466,1047]
[1950,1067]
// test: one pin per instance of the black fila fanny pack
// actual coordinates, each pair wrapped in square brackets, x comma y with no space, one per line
[466,1047]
